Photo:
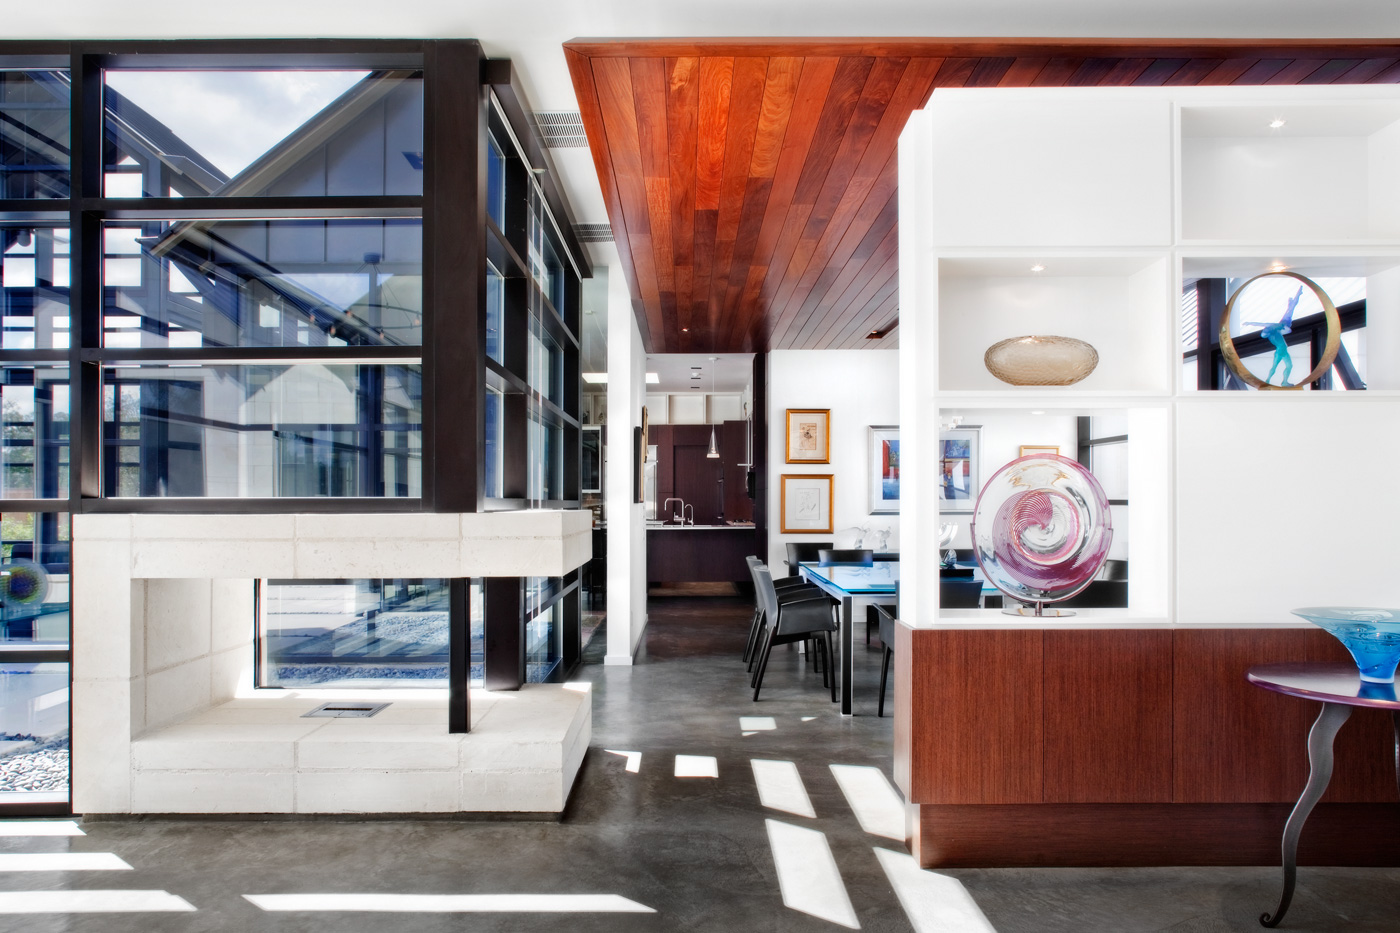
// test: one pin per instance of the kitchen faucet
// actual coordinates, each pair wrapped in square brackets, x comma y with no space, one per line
[674,517]
[692,513]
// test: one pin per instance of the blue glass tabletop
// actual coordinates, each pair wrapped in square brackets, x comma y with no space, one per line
[880,578]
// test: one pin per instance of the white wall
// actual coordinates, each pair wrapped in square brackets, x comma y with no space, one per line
[861,387]
[627,535]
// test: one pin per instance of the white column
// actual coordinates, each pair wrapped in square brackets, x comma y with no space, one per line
[918,375]
[627,555]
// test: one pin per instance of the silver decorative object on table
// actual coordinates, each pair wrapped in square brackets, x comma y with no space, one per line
[1041,360]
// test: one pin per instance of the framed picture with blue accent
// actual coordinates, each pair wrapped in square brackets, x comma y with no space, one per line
[959,468]
[884,469]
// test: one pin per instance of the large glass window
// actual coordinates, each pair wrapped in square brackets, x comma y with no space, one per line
[353,633]
[303,429]
[34,745]
[34,581]
[261,133]
[495,182]
[495,313]
[543,627]
[34,432]
[263,283]
[34,287]
[34,133]
[495,443]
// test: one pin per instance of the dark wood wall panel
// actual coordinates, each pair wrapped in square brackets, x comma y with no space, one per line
[751,183]
[1239,743]
[979,717]
[1121,835]
[1108,716]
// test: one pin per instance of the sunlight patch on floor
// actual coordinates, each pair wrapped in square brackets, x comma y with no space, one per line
[704,766]
[451,903]
[90,902]
[807,874]
[780,787]
[934,903]
[877,805]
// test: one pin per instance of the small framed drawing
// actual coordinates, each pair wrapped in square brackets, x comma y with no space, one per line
[1029,450]
[806,503]
[809,435]
[959,468]
[884,469]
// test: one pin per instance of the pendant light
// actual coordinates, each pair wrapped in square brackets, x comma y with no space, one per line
[713,452]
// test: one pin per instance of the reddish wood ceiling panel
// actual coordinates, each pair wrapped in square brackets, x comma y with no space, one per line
[751,183]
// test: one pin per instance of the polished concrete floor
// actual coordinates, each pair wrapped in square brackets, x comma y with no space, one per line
[794,832]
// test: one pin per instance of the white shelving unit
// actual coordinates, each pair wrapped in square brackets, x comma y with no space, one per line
[1122,195]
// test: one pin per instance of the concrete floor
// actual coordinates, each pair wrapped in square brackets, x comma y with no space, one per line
[695,850]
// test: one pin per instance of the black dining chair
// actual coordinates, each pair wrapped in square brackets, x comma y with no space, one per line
[802,551]
[792,618]
[955,573]
[959,594]
[1100,594]
[782,585]
[885,614]
[832,557]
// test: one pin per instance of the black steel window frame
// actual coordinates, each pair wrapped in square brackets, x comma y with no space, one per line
[452,211]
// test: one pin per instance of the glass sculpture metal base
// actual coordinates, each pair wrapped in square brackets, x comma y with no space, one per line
[1038,611]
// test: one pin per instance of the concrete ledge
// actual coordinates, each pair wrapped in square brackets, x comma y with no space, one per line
[525,543]
[256,755]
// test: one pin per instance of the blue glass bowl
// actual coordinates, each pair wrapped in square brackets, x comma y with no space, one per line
[1371,635]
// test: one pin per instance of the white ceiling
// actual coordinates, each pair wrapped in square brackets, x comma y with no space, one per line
[732,372]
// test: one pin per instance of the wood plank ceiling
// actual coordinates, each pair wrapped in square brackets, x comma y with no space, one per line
[752,184]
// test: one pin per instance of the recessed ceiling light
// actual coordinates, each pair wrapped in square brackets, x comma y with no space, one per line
[685,330]
[1037,412]
[595,378]
[695,375]
[653,379]
[1278,265]
[1037,268]
[1276,123]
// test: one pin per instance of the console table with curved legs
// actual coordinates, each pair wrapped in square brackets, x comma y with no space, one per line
[1339,688]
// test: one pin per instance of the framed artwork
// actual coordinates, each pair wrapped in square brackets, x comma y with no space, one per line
[805,503]
[809,435]
[959,468]
[1037,449]
[640,438]
[884,469]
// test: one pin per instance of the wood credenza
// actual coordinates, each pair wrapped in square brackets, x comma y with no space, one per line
[1126,746]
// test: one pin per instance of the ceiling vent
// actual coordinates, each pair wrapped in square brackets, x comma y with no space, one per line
[560,129]
[593,233]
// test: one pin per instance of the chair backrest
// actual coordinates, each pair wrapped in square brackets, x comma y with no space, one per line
[955,573]
[959,594]
[1113,569]
[1100,594]
[763,586]
[861,557]
[800,551]
[886,617]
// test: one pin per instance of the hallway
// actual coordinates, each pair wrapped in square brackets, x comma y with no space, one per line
[640,848]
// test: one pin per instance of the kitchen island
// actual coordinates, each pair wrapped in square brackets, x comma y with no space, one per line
[699,553]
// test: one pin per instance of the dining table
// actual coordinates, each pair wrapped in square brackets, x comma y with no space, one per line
[853,587]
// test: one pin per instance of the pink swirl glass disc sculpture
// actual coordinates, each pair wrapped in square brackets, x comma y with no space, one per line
[1041,530]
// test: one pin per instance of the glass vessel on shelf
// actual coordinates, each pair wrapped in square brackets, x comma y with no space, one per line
[1371,635]
[1041,360]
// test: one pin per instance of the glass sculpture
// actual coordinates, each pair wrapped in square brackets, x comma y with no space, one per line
[1041,531]
[1041,360]
[1371,635]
